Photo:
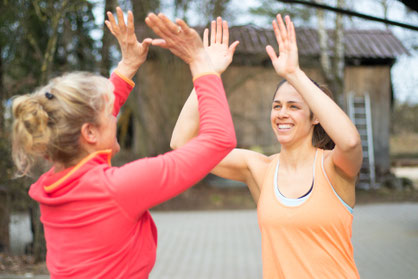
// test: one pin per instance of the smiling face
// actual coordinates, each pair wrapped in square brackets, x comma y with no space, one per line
[291,118]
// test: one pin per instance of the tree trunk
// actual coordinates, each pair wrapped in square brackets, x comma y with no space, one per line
[4,201]
[107,41]
[334,72]
[55,16]
[323,44]
[38,244]
[339,63]
[219,8]
[4,220]
[140,10]
[3,96]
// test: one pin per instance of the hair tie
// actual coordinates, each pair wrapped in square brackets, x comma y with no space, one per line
[49,96]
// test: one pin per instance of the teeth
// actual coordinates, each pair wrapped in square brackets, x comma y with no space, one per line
[285,126]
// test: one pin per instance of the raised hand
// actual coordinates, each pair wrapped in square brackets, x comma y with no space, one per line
[181,40]
[287,62]
[218,50]
[134,53]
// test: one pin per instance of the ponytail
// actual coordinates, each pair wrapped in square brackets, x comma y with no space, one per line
[47,123]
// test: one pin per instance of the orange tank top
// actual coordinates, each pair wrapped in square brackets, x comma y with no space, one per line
[309,240]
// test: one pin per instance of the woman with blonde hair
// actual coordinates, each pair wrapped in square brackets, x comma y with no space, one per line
[95,216]
[305,193]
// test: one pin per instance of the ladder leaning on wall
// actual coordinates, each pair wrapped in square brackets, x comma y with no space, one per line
[360,113]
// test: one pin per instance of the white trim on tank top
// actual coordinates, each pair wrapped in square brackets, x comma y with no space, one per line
[289,201]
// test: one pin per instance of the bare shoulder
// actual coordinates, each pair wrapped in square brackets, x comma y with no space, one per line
[258,164]
[255,159]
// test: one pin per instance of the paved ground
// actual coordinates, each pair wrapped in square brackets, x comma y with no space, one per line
[226,244]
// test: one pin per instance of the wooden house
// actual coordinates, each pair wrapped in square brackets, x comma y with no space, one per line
[251,81]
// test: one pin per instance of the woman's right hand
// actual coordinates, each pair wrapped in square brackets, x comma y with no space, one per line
[287,63]
[182,41]
[219,52]
[134,53]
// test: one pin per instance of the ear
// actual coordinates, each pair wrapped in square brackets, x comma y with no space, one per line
[89,133]
[315,120]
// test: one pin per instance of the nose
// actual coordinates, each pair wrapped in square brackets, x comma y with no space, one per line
[282,113]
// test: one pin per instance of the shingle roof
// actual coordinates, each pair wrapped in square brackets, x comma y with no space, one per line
[367,44]
[358,43]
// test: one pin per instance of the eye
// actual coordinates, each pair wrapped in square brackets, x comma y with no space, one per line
[294,107]
[276,106]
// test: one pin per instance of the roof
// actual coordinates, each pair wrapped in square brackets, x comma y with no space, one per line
[359,44]
[380,44]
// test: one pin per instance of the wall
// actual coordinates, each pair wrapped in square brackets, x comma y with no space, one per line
[376,81]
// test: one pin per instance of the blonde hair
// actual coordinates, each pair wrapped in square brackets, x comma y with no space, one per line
[47,123]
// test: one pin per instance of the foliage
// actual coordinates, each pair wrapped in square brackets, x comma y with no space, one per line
[38,39]
[31,25]
[404,118]
[268,9]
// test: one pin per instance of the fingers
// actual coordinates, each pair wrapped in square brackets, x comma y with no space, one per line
[111,23]
[184,27]
[271,53]
[165,28]
[146,43]
[225,33]
[174,28]
[109,26]
[121,20]
[212,32]
[282,27]
[219,30]
[292,34]
[157,25]
[232,48]
[131,27]
[206,38]
[278,36]
[159,42]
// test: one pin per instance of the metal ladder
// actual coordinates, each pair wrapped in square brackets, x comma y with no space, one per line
[360,113]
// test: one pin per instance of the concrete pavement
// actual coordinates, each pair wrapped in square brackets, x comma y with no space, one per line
[226,244]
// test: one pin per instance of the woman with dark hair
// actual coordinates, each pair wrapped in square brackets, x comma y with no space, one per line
[305,193]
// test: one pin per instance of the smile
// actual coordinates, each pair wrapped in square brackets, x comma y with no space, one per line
[284,126]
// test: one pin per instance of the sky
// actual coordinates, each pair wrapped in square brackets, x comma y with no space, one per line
[404,71]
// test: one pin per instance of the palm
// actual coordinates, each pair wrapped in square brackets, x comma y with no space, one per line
[219,56]
[287,61]
[134,53]
[219,51]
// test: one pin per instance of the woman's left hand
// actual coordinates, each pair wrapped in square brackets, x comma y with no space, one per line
[218,48]
[287,62]
[134,53]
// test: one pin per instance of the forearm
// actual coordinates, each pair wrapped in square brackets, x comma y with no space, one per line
[155,180]
[187,125]
[331,117]
[122,87]
[127,70]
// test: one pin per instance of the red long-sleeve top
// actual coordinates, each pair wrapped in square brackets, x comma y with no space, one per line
[95,216]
